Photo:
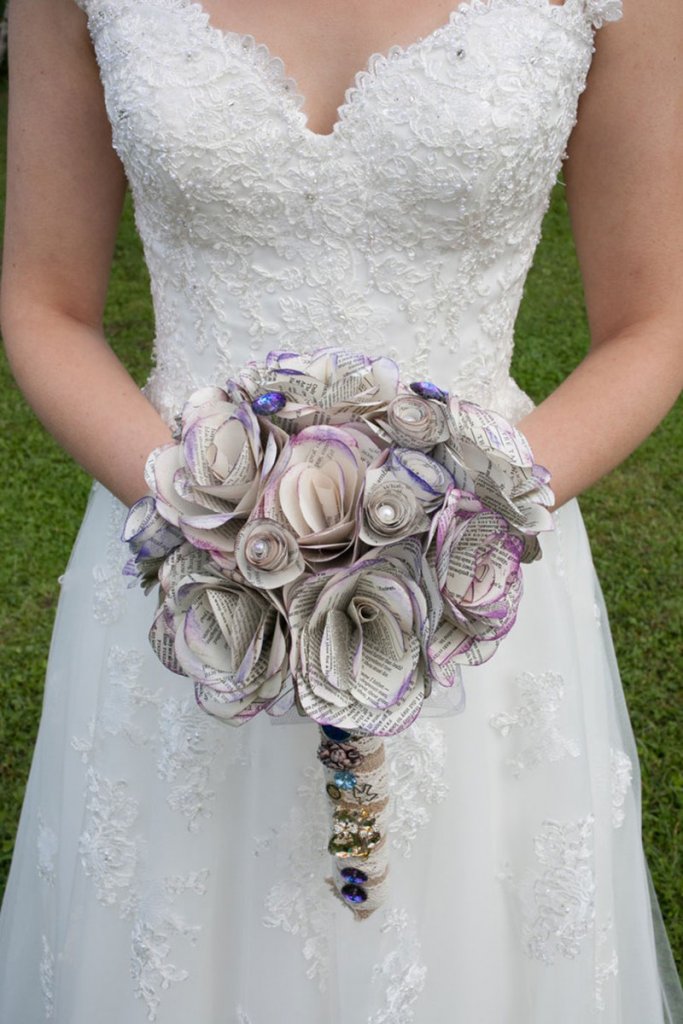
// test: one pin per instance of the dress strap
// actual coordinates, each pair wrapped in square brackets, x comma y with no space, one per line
[600,11]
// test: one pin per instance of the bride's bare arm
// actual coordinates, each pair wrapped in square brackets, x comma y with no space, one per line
[625,195]
[65,189]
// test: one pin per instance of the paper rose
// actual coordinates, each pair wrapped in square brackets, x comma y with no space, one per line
[224,635]
[401,487]
[150,539]
[476,557]
[489,456]
[212,476]
[315,486]
[357,641]
[268,555]
[329,386]
[415,422]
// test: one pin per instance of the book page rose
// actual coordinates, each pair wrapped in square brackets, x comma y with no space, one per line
[357,641]
[150,539]
[476,557]
[268,555]
[328,386]
[227,637]
[415,422]
[487,455]
[315,487]
[401,487]
[212,476]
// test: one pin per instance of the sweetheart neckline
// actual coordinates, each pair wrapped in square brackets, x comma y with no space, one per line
[275,69]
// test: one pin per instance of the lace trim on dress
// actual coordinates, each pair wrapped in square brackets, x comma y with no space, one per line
[47,978]
[402,970]
[113,857]
[536,716]
[109,582]
[300,902]
[415,760]
[606,967]
[112,854]
[621,777]
[557,900]
[601,11]
[47,846]
[190,742]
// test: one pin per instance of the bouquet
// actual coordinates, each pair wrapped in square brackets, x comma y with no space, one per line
[330,539]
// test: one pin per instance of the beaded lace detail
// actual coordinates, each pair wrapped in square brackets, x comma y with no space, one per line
[415,761]
[607,964]
[47,978]
[409,229]
[557,897]
[401,970]
[109,585]
[621,776]
[47,845]
[536,718]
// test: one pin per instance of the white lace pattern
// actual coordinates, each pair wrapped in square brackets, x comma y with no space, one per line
[621,777]
[429,211]
[557,898]
[536,717]
[401,970]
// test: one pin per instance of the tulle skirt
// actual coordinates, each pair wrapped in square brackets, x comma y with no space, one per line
[169,867]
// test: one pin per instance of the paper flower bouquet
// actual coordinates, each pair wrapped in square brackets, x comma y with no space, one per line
[328,538]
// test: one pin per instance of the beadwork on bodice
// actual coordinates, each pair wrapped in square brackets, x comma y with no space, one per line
[408,230]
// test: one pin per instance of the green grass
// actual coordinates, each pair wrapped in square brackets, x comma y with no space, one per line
[632,517]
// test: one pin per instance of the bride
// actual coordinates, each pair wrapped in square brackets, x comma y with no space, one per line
[167,866]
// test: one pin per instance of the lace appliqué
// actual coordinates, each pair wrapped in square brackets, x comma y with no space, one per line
[300,903]
[426,200]
[415,761]
[621,775]
[536,715]
[601,11]
[47,978]
[124,697]
[401,970]
[109,587]
[109,852]
[189,744]
[155,926]
[607,965]
[47,845]
[114,858]
[558,900]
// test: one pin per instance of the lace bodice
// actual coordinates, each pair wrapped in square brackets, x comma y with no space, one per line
[409,229]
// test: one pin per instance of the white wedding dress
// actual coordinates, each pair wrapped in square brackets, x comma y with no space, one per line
[171,868]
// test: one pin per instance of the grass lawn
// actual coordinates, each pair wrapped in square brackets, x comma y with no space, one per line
[633,518]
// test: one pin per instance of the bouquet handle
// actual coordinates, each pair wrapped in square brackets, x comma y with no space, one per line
[357,791]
